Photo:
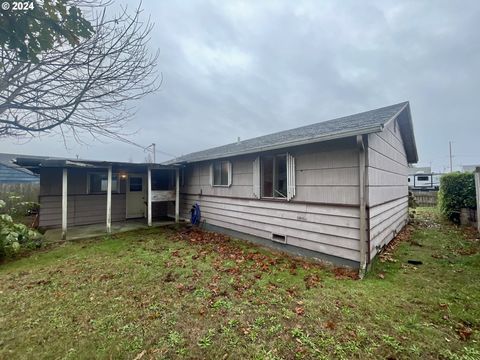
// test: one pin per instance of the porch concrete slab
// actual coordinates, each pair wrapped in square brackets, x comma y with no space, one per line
[94,230]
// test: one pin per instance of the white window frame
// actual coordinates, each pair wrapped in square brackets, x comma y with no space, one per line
[117,190]
[229,173]
[258,178]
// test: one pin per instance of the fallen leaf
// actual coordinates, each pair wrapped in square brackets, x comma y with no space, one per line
[330,325]
[139,356]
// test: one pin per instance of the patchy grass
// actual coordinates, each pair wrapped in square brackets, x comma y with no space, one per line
[178,294]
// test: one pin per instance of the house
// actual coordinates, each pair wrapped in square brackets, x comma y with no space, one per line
[82,192]
[335,190]
[11,173]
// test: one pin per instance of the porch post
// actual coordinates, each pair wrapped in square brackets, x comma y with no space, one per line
[109,200]
[149,196]
[64,203]
[177,195]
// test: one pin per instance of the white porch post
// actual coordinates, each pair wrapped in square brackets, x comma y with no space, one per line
[149,196]
[64,204]
[177,195]
[109,200]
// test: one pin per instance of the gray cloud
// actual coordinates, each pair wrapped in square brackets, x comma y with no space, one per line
[251,68]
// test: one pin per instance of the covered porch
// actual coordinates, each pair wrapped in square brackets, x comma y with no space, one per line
[105,196]
[95,230]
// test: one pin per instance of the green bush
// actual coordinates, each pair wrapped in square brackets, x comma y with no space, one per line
[457,190]
[15,237]
[15,206]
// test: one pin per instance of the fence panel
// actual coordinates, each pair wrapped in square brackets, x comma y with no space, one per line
[426,198]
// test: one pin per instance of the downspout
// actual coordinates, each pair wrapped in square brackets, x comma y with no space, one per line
[362,205]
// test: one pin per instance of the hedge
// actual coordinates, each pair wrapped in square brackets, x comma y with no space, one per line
[457,190]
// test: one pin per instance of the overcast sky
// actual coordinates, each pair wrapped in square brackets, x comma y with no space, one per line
[243,69]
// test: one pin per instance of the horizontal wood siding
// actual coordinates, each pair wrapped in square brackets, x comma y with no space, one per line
[329,229]
[82,209]
[387,186]
[325,173]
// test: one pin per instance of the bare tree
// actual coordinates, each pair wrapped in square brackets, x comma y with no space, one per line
[90,87]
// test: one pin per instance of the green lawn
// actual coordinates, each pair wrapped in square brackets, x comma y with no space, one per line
[168,294]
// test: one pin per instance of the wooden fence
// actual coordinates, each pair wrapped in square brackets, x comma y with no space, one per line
[11,193]
[426,198]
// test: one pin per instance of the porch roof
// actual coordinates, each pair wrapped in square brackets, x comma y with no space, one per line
[35,163]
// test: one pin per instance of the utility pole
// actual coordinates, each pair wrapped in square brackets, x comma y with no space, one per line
[152,149]
[450,148]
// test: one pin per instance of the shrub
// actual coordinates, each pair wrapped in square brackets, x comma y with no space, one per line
[16,207]
[457,190]
[15,237]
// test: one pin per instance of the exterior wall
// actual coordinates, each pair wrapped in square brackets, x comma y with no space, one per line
[323,216]
[83,208]
[387,186]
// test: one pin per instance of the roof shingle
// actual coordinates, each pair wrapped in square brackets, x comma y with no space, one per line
[361,123]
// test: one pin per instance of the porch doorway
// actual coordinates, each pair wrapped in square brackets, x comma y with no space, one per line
[136,196]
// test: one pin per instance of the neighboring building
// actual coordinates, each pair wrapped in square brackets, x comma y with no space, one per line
[335,190]
[412,170]
[11,173]
[469,168]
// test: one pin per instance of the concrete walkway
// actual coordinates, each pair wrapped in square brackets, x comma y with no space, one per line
[89,231]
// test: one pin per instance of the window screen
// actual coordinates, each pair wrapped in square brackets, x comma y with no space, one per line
[422,178]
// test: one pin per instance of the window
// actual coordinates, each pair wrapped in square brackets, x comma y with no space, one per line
[422,178]
[221,173]
[274,176]
[136,184]
[97,183]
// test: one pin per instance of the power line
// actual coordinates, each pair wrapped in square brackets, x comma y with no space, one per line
[144,148]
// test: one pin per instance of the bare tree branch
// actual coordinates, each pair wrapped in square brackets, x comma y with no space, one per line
[90,88]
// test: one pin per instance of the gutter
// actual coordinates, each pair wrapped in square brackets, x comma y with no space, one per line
[362,190]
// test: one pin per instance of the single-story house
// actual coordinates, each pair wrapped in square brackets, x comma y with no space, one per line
[82,192]
[11,173]
[335,190]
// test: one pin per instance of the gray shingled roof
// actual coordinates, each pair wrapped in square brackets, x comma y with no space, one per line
[361,123]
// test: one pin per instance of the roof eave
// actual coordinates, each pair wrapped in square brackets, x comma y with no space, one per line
[317,139]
